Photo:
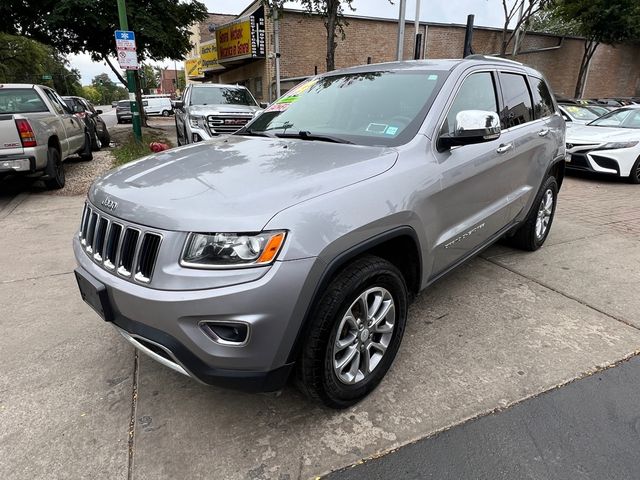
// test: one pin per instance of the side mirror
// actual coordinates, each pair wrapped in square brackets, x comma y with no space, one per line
[98,112]
[472,126]
[264,104]
[178,104]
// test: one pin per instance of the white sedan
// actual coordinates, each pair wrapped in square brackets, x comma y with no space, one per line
[609,144]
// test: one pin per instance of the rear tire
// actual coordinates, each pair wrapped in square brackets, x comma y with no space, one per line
[165,113]
[349,347]
[532,234]
[54,170]
[96,143]
[105,139]
[634,176]
[87,152]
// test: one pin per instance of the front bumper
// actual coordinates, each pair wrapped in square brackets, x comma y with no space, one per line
[168,323]
[613,162]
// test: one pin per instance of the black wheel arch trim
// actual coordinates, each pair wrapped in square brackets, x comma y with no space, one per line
[336,264]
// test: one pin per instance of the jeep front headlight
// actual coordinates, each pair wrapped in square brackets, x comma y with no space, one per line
[231,250]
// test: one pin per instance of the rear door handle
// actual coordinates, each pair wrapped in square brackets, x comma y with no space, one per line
[543,132]
[504,148]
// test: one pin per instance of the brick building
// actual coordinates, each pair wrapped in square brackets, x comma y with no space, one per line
[614,70]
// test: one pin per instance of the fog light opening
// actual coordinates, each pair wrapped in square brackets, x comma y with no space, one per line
[227,333]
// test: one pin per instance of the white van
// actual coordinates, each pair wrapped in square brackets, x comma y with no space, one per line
[157,105]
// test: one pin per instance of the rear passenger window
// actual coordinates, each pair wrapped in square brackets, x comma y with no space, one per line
[518,108]
[476,93]
[542,100]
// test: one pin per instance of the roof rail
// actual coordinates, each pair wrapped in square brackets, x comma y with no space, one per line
[489,58]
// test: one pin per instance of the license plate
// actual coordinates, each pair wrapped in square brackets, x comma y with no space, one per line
[95,295]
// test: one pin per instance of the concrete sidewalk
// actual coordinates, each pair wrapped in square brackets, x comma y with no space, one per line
[76,402]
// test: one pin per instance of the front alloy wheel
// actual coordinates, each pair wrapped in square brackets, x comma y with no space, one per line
[354,333]
[364,334]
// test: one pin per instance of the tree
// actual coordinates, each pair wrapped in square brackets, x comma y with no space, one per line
[162,27]
[529,9]
[107,90]
[23,60]
[92,94]
[148,77]
[600,21]
[332,13]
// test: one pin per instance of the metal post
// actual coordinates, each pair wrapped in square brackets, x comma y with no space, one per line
[418,38]
[276,43]
[131,83]
[468,37]
[401,19]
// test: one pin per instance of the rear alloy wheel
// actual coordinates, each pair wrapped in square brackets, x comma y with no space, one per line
[165,113]
[634,176]
[55,170]
[356,330]
[535,229]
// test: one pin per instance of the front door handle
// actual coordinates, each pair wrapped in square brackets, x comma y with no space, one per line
[543,132]
[504,148]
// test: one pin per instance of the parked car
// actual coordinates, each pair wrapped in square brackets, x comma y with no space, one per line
[208,109]
[114,104]
[85,110]
[123,111]
[296,244]
[608,145]
[157,105]
[576,114]
[38,132]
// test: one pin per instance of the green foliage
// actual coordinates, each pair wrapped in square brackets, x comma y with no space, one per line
[602,21]
[23,60]
[149,77]
[72,26]
[92,94]
[130,150]
[549,21]
[107,90]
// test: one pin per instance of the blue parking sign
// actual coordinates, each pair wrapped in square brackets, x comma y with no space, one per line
[125,35]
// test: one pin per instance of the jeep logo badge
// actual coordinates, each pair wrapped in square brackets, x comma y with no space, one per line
[109,204]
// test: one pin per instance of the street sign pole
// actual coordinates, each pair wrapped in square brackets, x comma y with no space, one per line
[131,82]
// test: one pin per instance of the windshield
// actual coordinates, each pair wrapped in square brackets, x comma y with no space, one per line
[621,118]
[371,108]
[221,96]
[21,100]
[580,113]
[124,104]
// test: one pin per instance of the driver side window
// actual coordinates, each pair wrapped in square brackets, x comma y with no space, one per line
[476,93]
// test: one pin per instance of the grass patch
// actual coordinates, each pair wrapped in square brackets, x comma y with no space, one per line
[129,150]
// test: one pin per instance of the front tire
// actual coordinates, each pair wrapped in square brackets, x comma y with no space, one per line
[356,331]
[634,176]
[532,234]
[54,170]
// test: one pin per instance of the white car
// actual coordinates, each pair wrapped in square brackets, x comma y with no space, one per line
[577,114]
[609,144]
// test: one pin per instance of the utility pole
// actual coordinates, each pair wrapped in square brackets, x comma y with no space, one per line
[516,40]
[131,83]
[276,44]
[401,19]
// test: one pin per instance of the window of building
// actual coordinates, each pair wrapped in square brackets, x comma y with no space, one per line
[476,93]
[518,108]
[257,91]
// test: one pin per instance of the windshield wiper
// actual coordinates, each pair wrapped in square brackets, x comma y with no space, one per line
[307,135]
[255,133]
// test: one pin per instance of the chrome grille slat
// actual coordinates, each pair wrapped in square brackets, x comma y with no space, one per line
[219,125]
[124,250]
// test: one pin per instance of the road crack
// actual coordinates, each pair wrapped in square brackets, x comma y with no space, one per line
[132,418]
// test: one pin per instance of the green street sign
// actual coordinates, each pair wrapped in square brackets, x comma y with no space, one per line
[46,77]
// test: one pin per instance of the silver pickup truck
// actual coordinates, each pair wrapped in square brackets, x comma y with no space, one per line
[38,132]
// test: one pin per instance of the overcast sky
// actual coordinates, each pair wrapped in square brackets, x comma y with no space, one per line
[487,12]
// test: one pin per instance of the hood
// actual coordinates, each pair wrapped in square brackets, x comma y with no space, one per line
[233,183]
[591,134]
[205,110]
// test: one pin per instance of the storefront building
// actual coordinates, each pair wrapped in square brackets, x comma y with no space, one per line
[240,50]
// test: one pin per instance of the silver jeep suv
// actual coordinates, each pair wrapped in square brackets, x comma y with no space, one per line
[293,248]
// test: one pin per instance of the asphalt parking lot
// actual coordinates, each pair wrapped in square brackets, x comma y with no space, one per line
[77,402]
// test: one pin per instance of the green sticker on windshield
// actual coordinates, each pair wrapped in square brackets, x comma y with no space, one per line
[391,130]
